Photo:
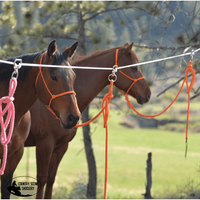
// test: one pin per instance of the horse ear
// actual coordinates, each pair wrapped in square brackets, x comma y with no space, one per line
[129,48]
[126,44]
[52,48]
[70,51]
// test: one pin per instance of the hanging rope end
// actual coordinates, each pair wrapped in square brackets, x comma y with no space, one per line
[186,147]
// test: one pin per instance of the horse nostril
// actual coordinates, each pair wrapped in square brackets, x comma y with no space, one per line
[72,120]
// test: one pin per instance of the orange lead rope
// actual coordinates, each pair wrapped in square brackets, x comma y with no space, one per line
[106,100]
[188,92]
[105,110]
[109,96]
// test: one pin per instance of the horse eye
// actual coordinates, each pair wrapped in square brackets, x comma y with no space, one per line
[134,68]
[54,78]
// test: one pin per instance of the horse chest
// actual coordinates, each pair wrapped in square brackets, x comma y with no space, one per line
[65,136]
[40,130]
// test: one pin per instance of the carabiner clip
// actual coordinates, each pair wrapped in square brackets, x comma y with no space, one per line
[16,68]
[113,76]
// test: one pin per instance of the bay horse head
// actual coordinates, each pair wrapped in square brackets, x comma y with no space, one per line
[55,86]
[139,89]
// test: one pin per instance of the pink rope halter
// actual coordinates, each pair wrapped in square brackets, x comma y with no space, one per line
[10,109]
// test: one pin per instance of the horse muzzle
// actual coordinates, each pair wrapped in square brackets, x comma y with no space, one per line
[71,121]
[141,100]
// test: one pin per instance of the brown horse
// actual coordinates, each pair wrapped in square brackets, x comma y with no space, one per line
[31,86]
[51,141]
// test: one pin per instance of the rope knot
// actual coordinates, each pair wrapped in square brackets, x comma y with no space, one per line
[190,68]
[106,100]
[127,101]
[190,65]
[126,97]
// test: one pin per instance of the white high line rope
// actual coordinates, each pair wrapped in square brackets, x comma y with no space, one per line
[99,68]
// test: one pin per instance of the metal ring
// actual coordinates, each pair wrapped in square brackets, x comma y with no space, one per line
[112,77]
[15,73]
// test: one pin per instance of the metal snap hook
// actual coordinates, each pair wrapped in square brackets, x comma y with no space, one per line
[115,68]
[16,63]
[192,54]
[16,67]
[113,76]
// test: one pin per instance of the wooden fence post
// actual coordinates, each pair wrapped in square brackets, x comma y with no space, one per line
[147,195]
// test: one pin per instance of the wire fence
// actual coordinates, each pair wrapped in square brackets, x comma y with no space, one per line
[20,64]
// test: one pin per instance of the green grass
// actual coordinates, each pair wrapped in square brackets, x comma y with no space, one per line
[128,149]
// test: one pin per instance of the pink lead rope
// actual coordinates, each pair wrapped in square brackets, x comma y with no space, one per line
[10,110]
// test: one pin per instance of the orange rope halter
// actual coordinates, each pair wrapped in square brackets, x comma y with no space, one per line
[134,80]
[52,96]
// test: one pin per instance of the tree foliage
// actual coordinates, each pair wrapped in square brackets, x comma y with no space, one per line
[165,25]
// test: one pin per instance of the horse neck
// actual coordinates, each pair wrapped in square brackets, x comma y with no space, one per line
[25,94]
[89,83]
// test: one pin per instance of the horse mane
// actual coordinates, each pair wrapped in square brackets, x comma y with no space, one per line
[6,70]
[78,57]
[81,57]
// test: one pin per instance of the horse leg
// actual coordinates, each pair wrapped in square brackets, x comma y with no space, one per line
[44,150]
[11,165]
[53,167]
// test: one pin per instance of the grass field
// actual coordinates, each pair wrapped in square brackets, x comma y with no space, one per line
[128,149]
